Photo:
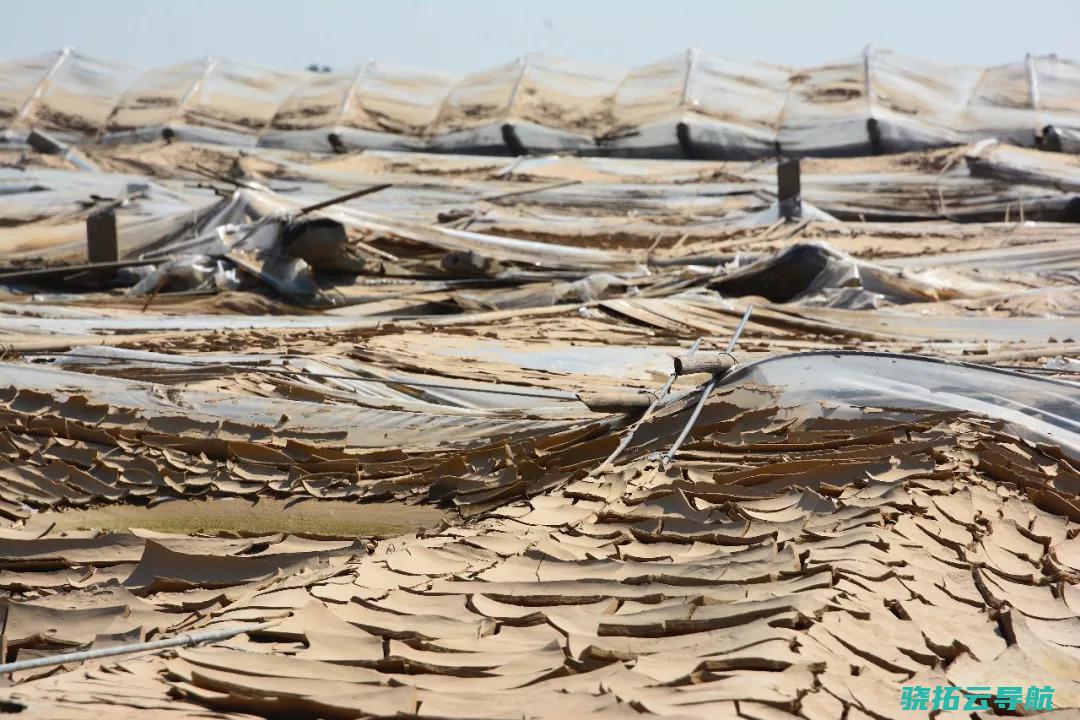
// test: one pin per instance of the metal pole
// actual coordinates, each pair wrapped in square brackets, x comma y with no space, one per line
[154,645]
[343,198]
[629,436]
[738,331]
[705,392]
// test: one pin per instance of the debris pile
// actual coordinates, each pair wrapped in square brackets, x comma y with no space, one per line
[703,447]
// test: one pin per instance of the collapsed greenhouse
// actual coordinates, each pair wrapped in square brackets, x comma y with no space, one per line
[702,389]
[697,105]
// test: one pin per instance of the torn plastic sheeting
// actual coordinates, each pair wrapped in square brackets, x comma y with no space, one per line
[69,191]
[207,236]
[42,307]
[772,214]
[848,298]
[591,287]
[108,325]
[897,324]
[539,294]
[1041,408]
[813,271]
[188,272]
[1061,139]
[615,362]
[265,202]
[791,273]
[368,382]
[951,328]
[371,381]
[1018,165]
[161,210]
[323,244]
[358,426]
[289,276]
[1062,363]
[256,248]
[104,354]
[1047,257]
[883,197]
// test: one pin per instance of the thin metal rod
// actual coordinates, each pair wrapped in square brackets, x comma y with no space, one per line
[705,392]
[740,328]
[71,269]
[629,435]
[343,198]
[528,191]
[153,645]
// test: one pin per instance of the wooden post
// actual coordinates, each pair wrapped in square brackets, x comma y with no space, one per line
[45,143]
[101,237]
[789,189]
[616,402]
[712,363]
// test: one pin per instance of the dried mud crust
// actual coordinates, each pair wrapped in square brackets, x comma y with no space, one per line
[786,567]
[238,517]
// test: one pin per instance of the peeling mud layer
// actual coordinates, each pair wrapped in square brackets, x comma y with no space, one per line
[378,436]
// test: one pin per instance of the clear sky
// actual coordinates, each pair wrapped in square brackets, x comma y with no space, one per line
[469,35]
